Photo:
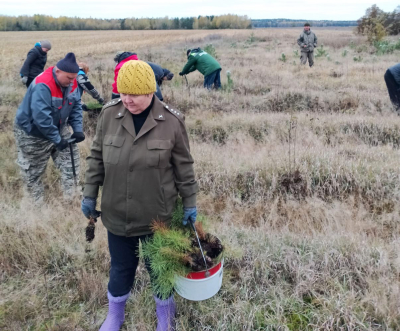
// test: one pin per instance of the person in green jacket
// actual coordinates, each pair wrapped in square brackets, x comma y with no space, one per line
[206,64]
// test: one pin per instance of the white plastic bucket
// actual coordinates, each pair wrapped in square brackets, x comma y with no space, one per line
[197,287]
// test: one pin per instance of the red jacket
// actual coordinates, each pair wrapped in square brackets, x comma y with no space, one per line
[116,70]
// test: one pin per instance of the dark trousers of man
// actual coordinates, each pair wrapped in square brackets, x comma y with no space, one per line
[213,78]
[124,262]
[29,81]
[393,89]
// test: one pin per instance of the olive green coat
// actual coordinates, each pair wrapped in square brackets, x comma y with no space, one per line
[141,174]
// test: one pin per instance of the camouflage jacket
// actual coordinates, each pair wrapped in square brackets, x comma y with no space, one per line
[308,39]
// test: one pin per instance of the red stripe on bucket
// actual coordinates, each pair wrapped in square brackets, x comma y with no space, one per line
[202,274]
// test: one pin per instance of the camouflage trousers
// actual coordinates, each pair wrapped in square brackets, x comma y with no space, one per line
[33,156]
[307,56]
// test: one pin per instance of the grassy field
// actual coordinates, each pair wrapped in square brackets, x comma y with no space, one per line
[299,175]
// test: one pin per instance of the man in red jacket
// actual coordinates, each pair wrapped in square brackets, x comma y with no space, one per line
[120,59]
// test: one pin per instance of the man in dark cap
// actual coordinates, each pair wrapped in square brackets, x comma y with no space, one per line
[35,62]
[51,104]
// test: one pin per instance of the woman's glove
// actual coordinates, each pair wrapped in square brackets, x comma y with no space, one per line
[88,206]
[189,215]
[24,80]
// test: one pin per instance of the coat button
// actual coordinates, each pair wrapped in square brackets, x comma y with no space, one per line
[131,169]
[135,143]
[130,197]
[110,142]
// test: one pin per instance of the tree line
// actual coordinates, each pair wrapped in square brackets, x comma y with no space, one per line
[50,23]
[376,24]
[287,23]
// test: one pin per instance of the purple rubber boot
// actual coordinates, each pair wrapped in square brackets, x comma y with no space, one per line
[165,310]
[116,313]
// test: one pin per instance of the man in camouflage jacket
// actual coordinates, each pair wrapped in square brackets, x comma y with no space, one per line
[307,42]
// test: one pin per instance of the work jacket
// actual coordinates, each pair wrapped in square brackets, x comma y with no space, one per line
[201,61]
[47,108]
[133,56]
[34,63]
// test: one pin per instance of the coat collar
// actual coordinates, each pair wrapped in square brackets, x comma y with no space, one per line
[156,114]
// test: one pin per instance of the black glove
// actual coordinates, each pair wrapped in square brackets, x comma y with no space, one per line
[101,101]
[63,144]
[84,107]
[78,136]
[181,74]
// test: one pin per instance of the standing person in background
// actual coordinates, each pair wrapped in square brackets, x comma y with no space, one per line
[120,58]
[84,84]
[307,42]
[206,64]
[161,74]
[35,62]
[51,104]
[392,80]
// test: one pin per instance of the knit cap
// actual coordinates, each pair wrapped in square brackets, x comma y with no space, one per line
[68,64]
[136,77]
[45,44]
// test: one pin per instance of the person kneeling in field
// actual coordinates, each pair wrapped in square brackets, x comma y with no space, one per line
[51,104]
[206,64]
[392,80]
[84,84]
[141,157]
[161,74]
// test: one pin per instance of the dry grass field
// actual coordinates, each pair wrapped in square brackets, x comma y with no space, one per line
[299,175]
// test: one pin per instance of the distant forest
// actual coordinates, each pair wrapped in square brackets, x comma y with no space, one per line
[286,23]
[50,23]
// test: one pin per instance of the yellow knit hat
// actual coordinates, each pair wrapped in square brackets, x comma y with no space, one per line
[136,77]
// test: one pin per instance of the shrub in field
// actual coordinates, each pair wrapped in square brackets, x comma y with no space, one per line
[345,52]
[210,49]
[296,53]
[386,47]
[321,52]
[228,87]
[357,58]
[283,58]
[252,38]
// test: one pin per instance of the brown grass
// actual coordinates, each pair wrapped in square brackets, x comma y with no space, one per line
[311,250]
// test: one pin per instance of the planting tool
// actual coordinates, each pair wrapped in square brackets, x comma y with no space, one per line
[187,84]
[201,249]
[70,142]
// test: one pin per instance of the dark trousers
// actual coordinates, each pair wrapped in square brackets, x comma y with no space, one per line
[213,78]
[124,262]
[29,81]
[393,89]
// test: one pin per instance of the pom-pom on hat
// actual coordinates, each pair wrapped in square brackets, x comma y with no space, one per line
[68,64]
[136,77]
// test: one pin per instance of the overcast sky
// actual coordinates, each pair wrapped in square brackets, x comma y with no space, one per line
[300,9]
